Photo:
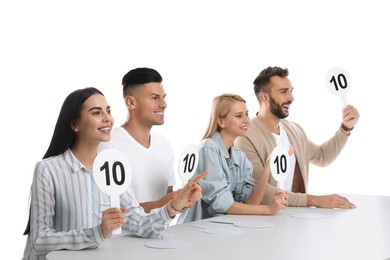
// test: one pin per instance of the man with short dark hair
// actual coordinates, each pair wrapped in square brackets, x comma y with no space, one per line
[150,154]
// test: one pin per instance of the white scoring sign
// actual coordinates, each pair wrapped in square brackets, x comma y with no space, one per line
[280,165]
[188,163]
[112,173]
[339,83]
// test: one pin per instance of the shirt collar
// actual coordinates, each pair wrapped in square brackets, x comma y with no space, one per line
[74,163]
[216,137]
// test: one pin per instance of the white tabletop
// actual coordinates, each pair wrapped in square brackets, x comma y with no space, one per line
[361,233]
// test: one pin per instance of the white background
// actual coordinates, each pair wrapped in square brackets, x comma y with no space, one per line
[202,49]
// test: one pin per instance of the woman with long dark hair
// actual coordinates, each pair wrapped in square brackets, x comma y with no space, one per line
[68,211]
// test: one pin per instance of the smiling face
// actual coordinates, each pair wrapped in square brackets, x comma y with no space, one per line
[280,96]
[236,122]
[95,122]
[148,104]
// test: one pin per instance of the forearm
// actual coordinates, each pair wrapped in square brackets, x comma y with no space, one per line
[312,200]
[260,188]
[146,225]
[257,194]
[246,209]
[46,241]
[149,205]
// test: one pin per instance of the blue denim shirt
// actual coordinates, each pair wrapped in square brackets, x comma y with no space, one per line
[229,179]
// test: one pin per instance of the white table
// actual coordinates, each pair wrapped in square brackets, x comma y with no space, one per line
[361,233]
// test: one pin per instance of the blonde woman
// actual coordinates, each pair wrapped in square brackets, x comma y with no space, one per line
[229,187]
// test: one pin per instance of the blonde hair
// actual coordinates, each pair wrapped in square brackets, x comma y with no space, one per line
[220,108]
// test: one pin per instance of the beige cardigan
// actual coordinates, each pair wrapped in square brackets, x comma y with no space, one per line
[259,143]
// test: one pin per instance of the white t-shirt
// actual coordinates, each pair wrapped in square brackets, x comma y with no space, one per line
[152,168]
[282,140]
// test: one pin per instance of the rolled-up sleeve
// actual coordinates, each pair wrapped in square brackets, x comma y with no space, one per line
[245,187]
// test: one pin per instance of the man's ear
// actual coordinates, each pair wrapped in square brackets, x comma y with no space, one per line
[263,97]
[130,102]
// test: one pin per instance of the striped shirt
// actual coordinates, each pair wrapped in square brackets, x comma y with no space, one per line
[67,206]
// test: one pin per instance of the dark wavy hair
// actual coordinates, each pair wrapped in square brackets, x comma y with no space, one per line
[264,78]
